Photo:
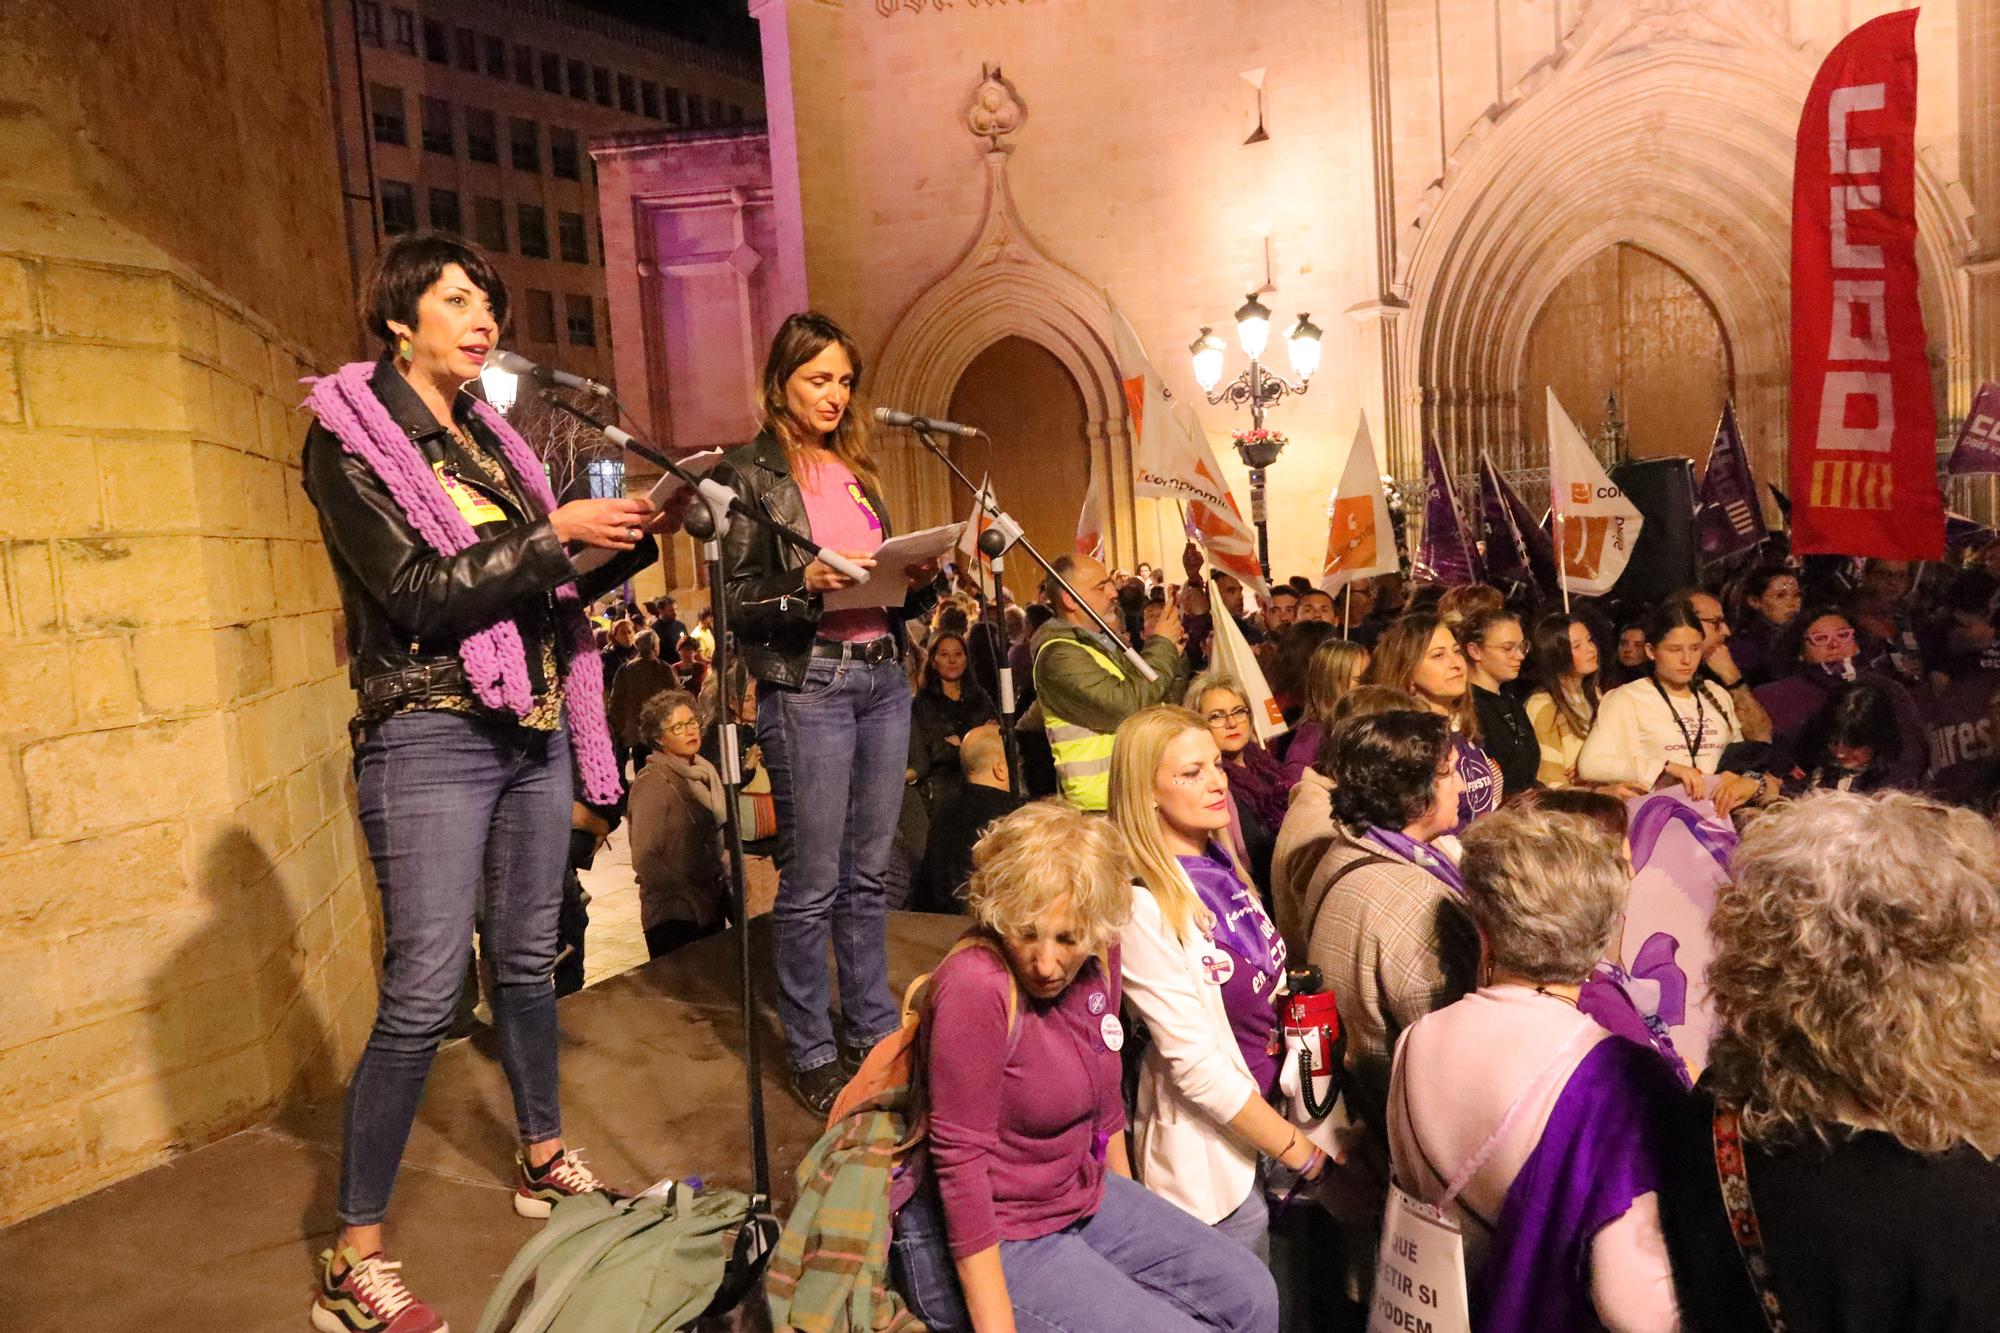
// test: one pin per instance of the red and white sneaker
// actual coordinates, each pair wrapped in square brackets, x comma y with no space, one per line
[537,1190]
[369,1298]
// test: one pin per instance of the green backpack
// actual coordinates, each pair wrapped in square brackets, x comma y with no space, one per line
[643,1265]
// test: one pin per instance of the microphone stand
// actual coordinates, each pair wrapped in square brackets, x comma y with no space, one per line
[708,523]
[1003,533]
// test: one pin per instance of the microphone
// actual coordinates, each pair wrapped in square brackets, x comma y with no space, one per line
[889,416]
[516,364]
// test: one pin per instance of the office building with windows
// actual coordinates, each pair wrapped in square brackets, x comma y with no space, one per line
[473,116]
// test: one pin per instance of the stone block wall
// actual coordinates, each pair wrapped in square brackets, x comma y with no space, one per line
[185,928]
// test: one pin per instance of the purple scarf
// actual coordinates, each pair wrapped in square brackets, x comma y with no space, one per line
[1600,1150]
[1428,858]
[495,660]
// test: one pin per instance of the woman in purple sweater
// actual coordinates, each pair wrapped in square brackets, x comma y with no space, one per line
[1045,1227]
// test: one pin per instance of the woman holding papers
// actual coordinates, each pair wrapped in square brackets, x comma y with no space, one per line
[833,704]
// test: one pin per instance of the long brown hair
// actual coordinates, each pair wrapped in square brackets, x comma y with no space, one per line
[1399,652]
[801,338]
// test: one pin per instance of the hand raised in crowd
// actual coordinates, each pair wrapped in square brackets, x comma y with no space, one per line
[1169,626]
[1720,662]
[613,525]
[822,577]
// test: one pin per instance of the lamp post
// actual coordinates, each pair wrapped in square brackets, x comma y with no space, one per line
[501,387]
[1256,388]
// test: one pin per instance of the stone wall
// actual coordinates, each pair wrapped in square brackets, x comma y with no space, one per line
[186,933]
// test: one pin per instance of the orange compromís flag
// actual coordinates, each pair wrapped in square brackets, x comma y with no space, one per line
[1864,470]
[1173,459]
[1596,526]
[1360,543]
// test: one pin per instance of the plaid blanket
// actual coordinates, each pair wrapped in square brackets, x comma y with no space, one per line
[830,1273]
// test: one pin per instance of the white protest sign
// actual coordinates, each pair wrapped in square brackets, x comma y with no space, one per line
[1419,1272]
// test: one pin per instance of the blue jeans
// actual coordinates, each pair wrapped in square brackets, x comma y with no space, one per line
[1137,1265]
[461,813]
[836,749]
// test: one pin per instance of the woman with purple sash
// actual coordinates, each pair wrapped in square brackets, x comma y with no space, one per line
[1558,1119]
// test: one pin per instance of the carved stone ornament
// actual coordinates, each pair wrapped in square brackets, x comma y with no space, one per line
[996,108]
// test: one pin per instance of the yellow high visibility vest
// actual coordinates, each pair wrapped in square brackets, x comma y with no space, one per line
[1083,756]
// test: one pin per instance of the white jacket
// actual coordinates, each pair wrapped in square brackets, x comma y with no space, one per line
[1192,1078]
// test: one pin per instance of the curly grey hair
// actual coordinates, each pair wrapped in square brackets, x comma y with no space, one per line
[1547,889]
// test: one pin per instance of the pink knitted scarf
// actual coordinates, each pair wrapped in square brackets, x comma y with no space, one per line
[496,663]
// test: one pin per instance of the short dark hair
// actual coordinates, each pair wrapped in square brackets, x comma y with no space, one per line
[1384,768]
[409,266]
[1284,590]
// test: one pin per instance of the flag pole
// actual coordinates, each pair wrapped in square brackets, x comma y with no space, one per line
[1562,564]
[1347,616]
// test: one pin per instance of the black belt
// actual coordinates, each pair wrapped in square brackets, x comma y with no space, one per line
[868,652]
[429,681]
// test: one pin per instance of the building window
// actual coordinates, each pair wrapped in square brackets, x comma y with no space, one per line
[385,113]
[649,100]
[494,53]
[570,238]
[403,30]
[628,94]
[368,21]
[482,136]
[695,117]
[438,137]
[600,83]
[444,211]
[551,72]
[600,264]
[531,225]
[564,159]
[541,309]
[465,43]
[524,66]
[714,112]
[735,115]
[524,137]
[399,207]
[579,81]
[581,319]
[436,50]
[489,224]
[674,114]
[604,321]
[607,478]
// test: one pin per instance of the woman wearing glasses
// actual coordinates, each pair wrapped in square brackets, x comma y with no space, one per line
[676,816]
[1258,786]
[1816,655]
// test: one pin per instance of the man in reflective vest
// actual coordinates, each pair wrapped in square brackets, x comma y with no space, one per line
[1085,687]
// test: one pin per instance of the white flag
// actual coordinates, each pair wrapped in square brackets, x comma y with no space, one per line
[1230,653]
[1596,526]
[1172,459]
[1090,523]
[1360,542]
[970,561]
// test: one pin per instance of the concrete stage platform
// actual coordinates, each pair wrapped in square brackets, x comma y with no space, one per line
[225,1237]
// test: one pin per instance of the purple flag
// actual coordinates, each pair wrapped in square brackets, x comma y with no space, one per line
[1505,552]
[1979,438]
[1535,538]
[1961,532]
[1726,511]
[1446,554]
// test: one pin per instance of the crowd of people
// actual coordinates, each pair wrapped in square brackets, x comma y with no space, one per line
[1436,843]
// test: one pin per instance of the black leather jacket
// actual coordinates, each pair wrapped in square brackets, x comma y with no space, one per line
[406,606]
[772,617]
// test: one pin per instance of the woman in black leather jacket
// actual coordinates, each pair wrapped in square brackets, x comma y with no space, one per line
[480,692]
[833,703]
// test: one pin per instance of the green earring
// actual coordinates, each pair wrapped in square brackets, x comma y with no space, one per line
[403,349]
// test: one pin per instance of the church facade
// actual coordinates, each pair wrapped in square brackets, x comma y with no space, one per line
[1473,198]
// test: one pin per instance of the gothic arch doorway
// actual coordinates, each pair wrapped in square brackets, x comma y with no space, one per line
[1626,321]
[1039,457]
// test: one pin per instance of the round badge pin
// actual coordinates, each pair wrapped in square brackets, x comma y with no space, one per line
[1096,1003]
[1113,1033]
[1218,966]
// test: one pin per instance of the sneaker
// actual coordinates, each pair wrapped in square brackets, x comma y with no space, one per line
[538,1189]
[369,1298]
[818,1087]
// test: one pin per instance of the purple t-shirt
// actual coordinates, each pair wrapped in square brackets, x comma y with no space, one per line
[841,518]
[1483,786]
[1019,1124]
[1245,956]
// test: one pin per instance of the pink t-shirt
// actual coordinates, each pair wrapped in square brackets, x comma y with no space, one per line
[841,518]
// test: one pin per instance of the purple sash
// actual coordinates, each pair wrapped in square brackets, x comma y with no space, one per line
[1416,853]
[1598,1153]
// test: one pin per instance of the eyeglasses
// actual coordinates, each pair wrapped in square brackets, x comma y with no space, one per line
[691,724]
[1833,640]
[1240,713]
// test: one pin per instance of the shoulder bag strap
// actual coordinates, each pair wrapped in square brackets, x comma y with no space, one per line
[1742,1211]
[1313,906]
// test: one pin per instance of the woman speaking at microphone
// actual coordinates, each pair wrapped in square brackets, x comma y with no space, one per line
[480,692]
[833,702]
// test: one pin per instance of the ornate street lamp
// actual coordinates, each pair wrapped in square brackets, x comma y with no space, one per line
[501,387]
[1257,388]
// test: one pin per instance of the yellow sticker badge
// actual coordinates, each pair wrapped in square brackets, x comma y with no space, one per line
[473,507]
